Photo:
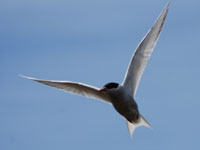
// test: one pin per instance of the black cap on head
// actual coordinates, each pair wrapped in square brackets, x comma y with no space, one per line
[111,85]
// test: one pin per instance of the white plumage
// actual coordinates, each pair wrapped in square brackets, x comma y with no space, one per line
[121,96]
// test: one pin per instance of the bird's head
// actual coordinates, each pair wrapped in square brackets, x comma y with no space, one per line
[109,87]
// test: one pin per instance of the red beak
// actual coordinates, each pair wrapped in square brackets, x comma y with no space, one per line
[101,90]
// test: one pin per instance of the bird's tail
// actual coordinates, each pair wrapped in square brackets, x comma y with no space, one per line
[133,126]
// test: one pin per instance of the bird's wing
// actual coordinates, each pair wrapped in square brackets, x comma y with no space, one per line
[142,53]
[75,88]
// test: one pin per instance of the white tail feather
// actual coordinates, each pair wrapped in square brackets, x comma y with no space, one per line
[143,122]
[133,126]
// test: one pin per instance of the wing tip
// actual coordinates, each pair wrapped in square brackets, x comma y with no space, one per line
[164,12]
[166,7]
[26,77]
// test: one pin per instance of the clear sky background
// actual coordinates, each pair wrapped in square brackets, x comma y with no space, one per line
[92,41]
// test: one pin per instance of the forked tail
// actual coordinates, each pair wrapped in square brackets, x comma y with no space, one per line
[133,126]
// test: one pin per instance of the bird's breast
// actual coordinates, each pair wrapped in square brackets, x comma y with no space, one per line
[127,107]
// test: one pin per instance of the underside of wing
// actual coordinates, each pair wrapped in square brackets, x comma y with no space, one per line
[142,54]
[75,88]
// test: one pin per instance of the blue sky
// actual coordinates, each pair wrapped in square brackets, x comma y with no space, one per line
[92,42]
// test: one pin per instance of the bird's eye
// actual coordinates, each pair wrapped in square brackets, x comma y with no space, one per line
[111,85]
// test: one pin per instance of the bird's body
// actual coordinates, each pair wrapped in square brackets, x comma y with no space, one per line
[128,108]
[123,102]
[121,96]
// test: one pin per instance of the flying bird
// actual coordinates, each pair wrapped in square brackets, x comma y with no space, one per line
[121,96]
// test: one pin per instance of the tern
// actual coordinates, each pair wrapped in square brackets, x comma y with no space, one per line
[121,96]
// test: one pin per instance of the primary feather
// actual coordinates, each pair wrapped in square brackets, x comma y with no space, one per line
[142,53]
[75,88]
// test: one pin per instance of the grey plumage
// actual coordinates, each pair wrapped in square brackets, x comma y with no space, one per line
[121,96]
